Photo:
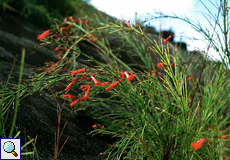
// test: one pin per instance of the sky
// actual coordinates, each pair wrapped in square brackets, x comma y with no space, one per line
[193,9]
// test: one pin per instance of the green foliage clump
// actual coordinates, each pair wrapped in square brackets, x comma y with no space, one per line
[43,11]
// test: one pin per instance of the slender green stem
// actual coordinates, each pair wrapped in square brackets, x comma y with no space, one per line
[18,93]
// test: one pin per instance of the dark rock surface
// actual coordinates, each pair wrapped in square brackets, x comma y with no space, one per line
[37,114]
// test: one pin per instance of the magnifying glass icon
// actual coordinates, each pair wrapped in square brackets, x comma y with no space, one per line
[9,147]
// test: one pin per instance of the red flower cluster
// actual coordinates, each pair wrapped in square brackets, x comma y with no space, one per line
[170,65]
[95,126]
[91,35]
[129,77]
[162,64]
[85,97]
[122,74]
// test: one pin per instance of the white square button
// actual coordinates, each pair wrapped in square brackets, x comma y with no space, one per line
[10,148]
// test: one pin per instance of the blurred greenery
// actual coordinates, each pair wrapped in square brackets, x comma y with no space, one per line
[43,12]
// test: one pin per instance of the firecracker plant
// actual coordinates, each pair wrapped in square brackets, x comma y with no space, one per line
[172,109]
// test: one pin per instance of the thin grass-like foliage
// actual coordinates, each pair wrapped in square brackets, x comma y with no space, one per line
[157,105]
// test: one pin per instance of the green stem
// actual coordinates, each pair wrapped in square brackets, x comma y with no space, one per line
[18,93]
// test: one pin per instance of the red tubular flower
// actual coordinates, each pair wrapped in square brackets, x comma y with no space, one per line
[81,99]
[60,53]
[104,83]
[40,37]
[189,78]
[152,96]
[68,87]
[94,126]
[121,75]
[65,19]
[77,71]
[73,80]
[111,86]
[68,27]
[94,40]
[64,28]
[102,127]
[132,75]
[73,20]
[86,94]
[57,48]
[153,72]
[160,64]
[223,137]
[68,96]
[119,81]
[129,77]
[95,81]
[167,39]
[126,74]
[84,85]
[170,65]
[91,35]
[197,145]
[91,77]
[84,76]
[83,21]
[73,103]
[227,158]
[84,89]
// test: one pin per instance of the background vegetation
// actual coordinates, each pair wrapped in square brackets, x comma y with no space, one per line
[43,12]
